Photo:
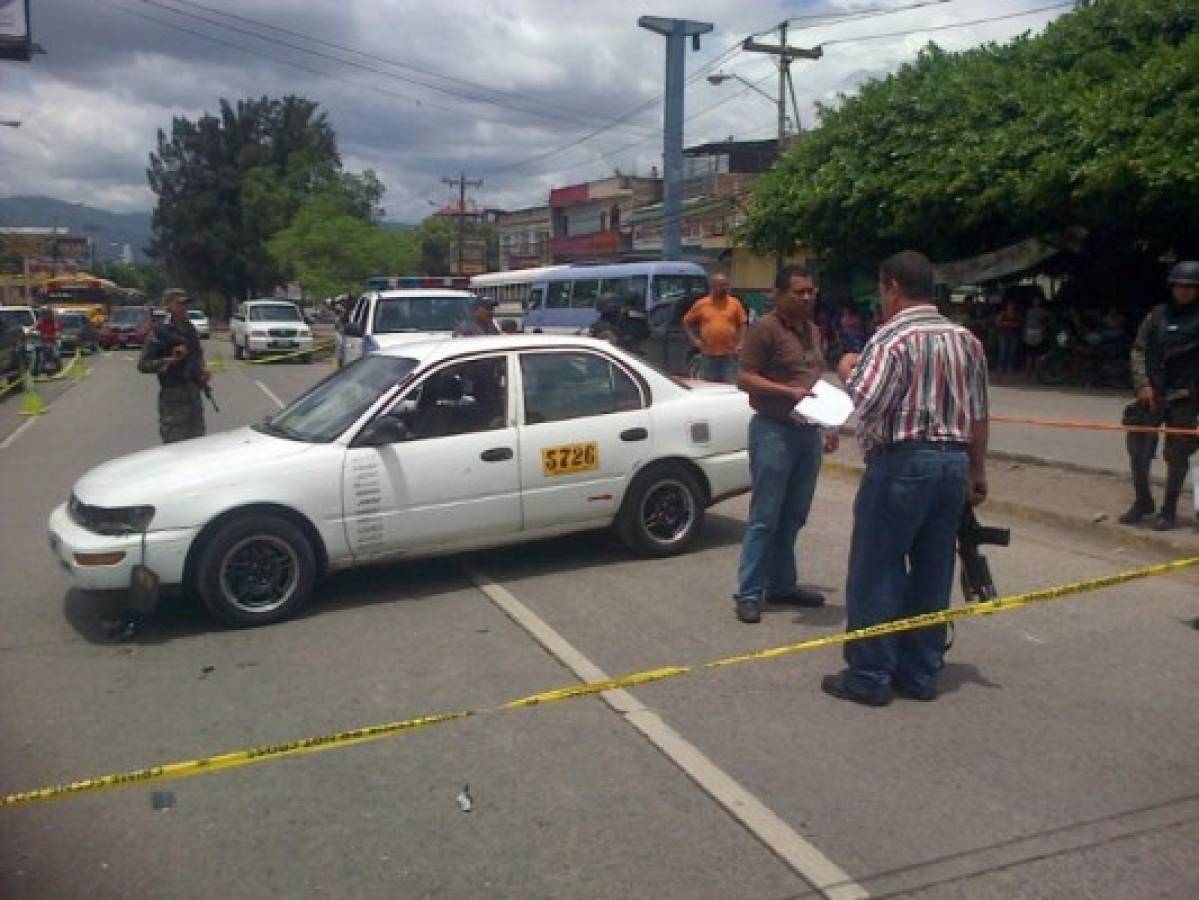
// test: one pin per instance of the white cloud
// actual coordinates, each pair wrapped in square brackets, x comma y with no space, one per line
[92,106]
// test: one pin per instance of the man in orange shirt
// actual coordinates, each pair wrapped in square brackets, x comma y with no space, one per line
[715,324]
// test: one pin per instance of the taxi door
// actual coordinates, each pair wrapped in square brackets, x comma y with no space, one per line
[451,478]
[584,428]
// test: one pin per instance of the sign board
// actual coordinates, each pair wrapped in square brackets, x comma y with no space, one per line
[15,42]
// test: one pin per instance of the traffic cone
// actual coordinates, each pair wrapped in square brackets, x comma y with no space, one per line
[79,369]
[31,403]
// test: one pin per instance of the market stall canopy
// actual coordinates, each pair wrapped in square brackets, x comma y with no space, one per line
[1014,259]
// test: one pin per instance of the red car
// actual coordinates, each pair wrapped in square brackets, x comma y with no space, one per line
[126,326]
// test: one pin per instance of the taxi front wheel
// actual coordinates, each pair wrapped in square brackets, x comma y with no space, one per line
[257,569]
[662,512]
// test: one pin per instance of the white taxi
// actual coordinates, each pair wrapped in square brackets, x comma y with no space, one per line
[432,448]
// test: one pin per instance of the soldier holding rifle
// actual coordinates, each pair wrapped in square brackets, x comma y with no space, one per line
[172,351]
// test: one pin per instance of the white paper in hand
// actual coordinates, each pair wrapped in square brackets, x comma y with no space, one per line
[828,405]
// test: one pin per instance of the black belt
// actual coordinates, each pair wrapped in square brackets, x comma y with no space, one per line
[942,446]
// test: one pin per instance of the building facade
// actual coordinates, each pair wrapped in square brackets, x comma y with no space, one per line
[718,182]
[524,237]
[591,221]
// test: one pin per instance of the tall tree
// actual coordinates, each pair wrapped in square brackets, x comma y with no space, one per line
[330,248]
[227,183]
[1090,124]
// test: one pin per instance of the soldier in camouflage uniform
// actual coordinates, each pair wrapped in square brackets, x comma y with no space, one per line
[1165,372]
[172,351]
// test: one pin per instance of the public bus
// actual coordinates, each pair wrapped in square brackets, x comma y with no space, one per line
[567,299]
[88,294]
[510,289]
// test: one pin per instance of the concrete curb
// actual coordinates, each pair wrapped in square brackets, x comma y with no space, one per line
[1120,534]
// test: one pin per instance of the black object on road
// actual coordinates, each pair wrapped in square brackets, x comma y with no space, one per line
[977,583]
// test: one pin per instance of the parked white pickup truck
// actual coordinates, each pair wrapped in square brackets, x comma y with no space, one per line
[269,326]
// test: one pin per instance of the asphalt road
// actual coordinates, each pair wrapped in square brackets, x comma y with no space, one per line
[1061,760]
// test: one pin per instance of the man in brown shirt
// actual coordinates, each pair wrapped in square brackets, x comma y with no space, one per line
[780,361]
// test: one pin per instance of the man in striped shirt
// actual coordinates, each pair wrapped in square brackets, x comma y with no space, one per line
[920,388]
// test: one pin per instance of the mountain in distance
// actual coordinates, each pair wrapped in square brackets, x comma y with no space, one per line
[109,231]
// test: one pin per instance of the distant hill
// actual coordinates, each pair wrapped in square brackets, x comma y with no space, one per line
[105,228]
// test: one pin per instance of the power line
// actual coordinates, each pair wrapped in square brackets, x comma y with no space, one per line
[1015,15]
[867,12]
[390,61]
[174,26]
[457,93]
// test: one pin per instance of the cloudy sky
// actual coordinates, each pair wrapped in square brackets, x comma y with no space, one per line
[525,94]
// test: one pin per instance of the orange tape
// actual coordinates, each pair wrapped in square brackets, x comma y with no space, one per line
[1094,426]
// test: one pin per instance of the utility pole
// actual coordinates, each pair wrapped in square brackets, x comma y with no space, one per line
[785,56]
[676,31]
[462,183]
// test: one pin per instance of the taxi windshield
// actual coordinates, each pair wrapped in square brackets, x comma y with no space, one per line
[322,414]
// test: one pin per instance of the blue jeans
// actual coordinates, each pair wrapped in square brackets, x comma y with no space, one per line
[1009,352]
[784,460]
[901,560]
[719,368]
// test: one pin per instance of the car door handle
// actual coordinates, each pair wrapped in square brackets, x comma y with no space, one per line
[634,434]
[496,454]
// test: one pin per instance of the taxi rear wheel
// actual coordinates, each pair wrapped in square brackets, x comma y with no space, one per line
[662,512]
[256,570]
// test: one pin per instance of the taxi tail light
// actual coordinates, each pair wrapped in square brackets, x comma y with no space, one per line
[99,559]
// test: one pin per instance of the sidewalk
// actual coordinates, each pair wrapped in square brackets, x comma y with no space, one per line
[1077,500]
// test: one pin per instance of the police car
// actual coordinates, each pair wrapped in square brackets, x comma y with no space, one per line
[382,320]
[433,448]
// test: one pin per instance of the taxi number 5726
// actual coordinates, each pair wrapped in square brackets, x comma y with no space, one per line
[569,458]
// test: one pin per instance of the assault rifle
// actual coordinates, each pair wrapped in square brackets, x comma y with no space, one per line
[977,583]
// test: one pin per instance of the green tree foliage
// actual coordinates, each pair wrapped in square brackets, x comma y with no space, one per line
[227,183]
[330,248]
[149,278]
[1092,124]
[434,236]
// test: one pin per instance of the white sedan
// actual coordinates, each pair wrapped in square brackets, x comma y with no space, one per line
[432,448]
[200,321]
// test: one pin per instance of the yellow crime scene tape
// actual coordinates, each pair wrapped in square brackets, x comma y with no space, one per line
[239,758]
[311,351]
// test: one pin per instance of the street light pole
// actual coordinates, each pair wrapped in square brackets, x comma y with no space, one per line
[676,31]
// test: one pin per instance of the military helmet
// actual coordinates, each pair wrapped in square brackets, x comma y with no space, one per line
[1185,272]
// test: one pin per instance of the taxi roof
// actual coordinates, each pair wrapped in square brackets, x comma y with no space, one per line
[439,348]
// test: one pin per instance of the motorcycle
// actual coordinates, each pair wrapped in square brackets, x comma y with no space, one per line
[1093,361]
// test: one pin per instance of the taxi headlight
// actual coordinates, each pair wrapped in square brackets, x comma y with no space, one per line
[110,520]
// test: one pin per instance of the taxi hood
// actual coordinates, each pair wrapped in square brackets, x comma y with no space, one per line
[187,467]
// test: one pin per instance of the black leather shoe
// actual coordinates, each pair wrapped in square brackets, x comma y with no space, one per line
[835,685]
[798,597]
[925,694]
[749,611]
[1135,513]
[1165,521]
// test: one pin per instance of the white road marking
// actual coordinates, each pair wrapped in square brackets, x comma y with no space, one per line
[128,358]
[21,429]
[266,390]
[780,838]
